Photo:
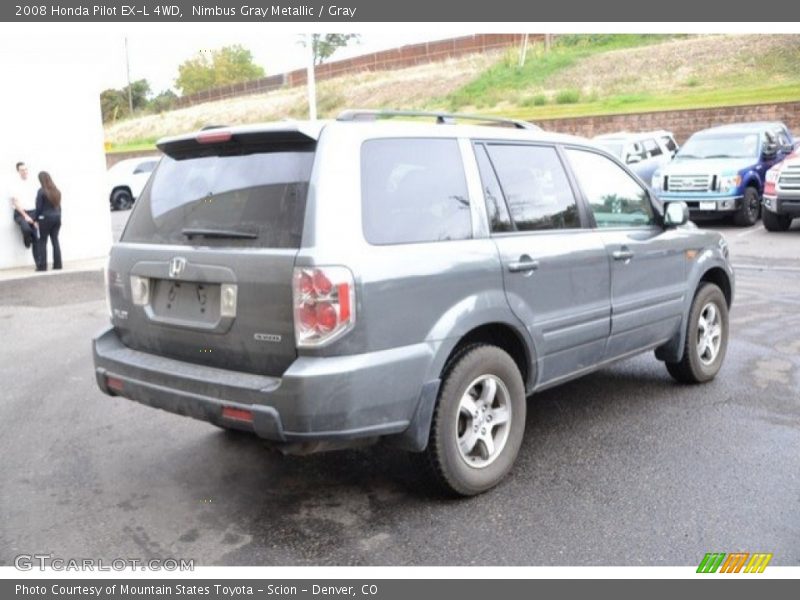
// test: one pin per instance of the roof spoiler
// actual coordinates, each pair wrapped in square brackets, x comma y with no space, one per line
[217,140]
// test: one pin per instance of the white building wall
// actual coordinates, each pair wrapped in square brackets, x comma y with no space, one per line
[50,115]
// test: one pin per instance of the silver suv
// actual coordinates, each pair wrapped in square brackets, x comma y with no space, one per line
[331,283]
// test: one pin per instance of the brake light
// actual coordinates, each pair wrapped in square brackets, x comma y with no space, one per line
[213,136]
[324,304]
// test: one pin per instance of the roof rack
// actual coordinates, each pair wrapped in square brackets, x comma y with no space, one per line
[442,118]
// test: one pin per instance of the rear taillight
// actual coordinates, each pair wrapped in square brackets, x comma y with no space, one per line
[324,304]
[107,280]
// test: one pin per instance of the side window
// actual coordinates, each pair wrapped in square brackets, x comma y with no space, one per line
[535,187]
[636,153]
[669,142]
[413,190]
[652,148]
[616,199]
[496,208]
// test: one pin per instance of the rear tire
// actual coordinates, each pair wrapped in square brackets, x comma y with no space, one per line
[748,214]
[121,200]
[774,222]
[706,337]
[478,422]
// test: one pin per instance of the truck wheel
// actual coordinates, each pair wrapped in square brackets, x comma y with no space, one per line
[706,337]
[478,422]
[121,200]
[751,208]
[775,222]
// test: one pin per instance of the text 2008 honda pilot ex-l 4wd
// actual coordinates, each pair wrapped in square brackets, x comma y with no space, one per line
[327,283]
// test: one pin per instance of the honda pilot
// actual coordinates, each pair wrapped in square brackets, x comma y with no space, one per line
[325,284]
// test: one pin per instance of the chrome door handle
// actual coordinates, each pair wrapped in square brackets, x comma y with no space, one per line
[523,266]
[622,254]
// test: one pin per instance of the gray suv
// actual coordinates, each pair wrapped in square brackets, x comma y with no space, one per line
[328,284]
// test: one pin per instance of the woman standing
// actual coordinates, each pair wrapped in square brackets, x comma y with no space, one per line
[48,217]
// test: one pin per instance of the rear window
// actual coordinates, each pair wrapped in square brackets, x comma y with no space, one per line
[413,190]
[253,199]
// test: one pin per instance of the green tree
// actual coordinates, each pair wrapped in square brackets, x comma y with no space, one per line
[114,103]
[163,102]
[231,64]
[325,44]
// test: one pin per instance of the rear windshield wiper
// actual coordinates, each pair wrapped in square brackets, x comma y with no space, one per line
[219,233]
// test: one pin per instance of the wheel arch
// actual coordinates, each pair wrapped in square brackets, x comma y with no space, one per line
[502,334]
[672,351]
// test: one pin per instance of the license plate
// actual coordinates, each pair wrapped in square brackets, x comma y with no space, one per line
[186,301]
[708,206]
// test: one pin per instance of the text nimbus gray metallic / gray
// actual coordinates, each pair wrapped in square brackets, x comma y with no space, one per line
[273,10]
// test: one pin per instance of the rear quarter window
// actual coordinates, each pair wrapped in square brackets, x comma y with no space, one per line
[413,190]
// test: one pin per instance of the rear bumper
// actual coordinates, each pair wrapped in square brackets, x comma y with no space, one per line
[785,203]
[333,398]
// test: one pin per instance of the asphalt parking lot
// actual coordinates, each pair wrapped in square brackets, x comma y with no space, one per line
[622,467]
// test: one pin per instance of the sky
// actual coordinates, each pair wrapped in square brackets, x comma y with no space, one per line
[156,57]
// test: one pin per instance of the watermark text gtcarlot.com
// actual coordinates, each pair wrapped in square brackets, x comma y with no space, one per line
[42,562]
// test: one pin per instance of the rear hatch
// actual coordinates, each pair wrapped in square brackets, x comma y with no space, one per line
[203,272]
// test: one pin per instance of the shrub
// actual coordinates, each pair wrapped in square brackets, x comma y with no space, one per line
[568,96]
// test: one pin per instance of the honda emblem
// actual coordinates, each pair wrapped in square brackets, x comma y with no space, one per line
[176,266]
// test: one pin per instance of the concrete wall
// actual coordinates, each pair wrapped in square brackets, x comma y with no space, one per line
[51,120]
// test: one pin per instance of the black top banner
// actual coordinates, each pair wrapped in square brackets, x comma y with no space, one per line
[359,11]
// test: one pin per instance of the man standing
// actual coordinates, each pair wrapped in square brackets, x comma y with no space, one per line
[24,193]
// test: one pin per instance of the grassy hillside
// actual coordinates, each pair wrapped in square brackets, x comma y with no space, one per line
[583,75]
[579,75]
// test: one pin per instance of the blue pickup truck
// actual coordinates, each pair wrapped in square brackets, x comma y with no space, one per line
[720,171]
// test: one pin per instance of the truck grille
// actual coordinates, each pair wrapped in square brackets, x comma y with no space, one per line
[790,178]
[689,183]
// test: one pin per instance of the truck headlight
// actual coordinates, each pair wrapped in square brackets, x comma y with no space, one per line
[656,181]
[729,183]
[773,175]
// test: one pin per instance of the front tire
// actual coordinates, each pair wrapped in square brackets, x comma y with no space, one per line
[706,337]
[748,214]
[775,222]
[478,423]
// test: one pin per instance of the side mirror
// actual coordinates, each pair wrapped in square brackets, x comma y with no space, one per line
[633,159]
[676,214]
[770,150]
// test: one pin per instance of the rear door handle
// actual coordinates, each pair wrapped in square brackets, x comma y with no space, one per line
[622,254]
[524,265]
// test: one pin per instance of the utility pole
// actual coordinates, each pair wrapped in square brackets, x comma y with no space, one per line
[311,83]
[524,52]
[128,74]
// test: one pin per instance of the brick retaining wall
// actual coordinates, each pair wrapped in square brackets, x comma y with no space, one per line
[682,123]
